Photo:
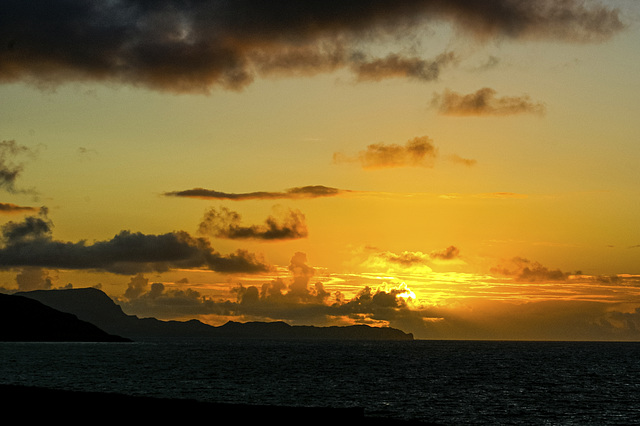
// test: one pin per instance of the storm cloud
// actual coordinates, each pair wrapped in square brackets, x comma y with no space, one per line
[485,102]
[30,244]
[225,223]
[195,46]
[314,191]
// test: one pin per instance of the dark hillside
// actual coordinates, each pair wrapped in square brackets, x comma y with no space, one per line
[27,320]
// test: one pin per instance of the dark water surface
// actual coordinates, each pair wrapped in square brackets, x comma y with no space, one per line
[450,382]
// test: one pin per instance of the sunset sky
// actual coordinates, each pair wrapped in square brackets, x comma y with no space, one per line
[458,169]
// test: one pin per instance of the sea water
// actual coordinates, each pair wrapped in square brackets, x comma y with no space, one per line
[448,382]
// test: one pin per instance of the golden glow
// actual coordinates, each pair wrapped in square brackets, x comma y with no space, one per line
[479,188]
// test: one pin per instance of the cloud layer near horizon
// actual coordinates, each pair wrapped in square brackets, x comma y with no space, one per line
[300,300]
[194,46]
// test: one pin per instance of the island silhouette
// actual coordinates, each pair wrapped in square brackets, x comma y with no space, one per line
[50,315]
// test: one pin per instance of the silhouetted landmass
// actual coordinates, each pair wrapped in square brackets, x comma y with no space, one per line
[94,306]
[26,320]
[35,403]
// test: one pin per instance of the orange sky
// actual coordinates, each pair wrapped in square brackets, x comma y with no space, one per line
[448,170]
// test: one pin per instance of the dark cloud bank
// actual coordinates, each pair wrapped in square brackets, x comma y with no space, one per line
[193,46]
[30,244]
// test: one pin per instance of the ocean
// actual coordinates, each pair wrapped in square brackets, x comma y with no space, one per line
[447,382]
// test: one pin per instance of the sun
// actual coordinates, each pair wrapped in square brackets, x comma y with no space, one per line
[405,292]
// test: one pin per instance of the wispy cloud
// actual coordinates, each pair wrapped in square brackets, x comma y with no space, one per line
[225,223]
[408,260]
[419,151]
[396,66]
[313,191]
[11,165]
[195,46]
[450,253]
[469,162]
[484,102]
[9,208]
[522,269]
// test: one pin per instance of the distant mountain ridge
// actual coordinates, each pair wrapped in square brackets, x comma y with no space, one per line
[95,307]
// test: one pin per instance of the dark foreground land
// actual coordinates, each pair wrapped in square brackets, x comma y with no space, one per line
[71,407]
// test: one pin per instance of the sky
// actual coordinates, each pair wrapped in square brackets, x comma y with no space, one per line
[457,170]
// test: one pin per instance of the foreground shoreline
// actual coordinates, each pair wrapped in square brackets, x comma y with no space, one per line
[32,403]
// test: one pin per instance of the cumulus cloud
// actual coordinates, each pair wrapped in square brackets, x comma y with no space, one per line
[484,102]
[419,151]
[32,228]
[30,243]
[194,46]
[296,299]
[33,278]
[312,191]
[225,223]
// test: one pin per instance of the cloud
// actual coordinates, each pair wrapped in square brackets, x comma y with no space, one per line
[29,279]
[418,151]
[136,287]
[295,299]
[224,223]
[485,102]
[406,258]
[449,253]
[314,191]
[9,170]
[182,46]
[9,208]
[525,270]
[464,161]
[32,228]
[397,66]
[409,260]
[30,243]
